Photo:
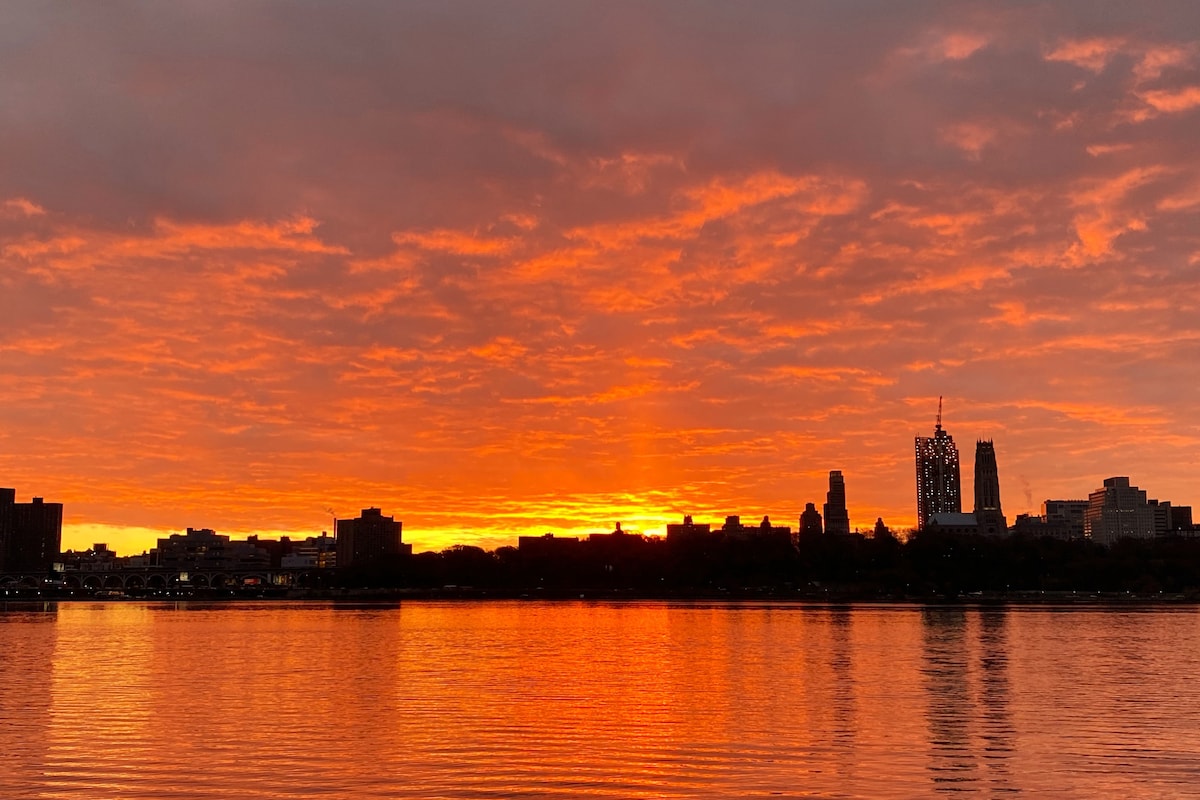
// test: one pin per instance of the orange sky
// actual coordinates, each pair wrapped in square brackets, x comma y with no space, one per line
[502,268]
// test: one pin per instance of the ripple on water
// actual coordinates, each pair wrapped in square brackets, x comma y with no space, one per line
[529,700]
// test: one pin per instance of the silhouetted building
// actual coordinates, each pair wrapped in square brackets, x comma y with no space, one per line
[882,531]
[1064,518]
[205,550]
[370,538]
[837,519]
[688,530]
[97,559]
[30,533]
[810,522]
[8,499]
[988,515]
[957,523]
[615,535]
[1118,510]
[1180,520]
[548,546]
[1060,519]
[938,485]
[733,528]
[1171,520]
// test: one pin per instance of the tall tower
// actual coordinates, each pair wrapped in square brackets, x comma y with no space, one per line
[987,491]
[837,520]
[938,487]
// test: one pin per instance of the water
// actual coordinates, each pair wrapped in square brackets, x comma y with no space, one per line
[531,700]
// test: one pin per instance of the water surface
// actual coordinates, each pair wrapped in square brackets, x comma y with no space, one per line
[638,700]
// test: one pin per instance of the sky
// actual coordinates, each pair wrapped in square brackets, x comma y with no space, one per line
[522,267]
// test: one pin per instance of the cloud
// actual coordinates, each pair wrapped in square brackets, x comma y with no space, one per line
[534,267]
[1171,101]
[19,206]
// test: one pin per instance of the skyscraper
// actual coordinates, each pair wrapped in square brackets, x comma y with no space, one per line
[987,491]
[938,486]
[837,520]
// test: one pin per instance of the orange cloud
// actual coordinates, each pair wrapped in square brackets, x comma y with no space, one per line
[1092,54]
[20,206]
[1171,101]
[456,242]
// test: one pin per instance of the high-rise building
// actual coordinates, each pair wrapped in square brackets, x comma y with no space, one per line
[30,533]
[8,499]
[371,537]
[938,487]
[810,522]
[837,520]
[1118,510]
[988,514]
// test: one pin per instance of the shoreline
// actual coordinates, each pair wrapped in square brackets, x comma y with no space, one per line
[467,595]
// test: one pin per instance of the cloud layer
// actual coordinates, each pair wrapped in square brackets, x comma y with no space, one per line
[533,266]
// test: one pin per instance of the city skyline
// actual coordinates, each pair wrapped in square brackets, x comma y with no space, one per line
[505,269]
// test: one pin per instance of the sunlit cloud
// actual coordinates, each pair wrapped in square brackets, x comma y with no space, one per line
[1091,54]
[19,206]
[1171,101]
[595,269]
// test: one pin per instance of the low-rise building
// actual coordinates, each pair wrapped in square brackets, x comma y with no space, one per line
[1118,510]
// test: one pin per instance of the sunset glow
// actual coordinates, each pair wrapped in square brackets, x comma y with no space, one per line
[511,268]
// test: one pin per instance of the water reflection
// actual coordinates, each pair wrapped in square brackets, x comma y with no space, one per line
[995,712]
[971,734]
[845,690]
[626,701]
[952,759]
[28,646]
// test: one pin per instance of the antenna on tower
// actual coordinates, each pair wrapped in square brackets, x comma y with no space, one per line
[939,418]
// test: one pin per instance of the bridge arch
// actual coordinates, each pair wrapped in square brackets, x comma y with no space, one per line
[114,582]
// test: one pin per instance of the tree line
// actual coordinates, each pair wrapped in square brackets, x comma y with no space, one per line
[929,565]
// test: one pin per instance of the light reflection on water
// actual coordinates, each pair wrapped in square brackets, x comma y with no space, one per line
[524,700]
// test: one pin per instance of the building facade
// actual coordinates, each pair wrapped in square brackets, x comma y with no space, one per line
[1064,518]
[30,533]
[938,486]
[988,514]
[371,537]
[810,522]
[837,519]
[1118,510]
[205,550]
[688,530]
[315,552]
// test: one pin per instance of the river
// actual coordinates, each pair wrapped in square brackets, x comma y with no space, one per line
[124,700]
